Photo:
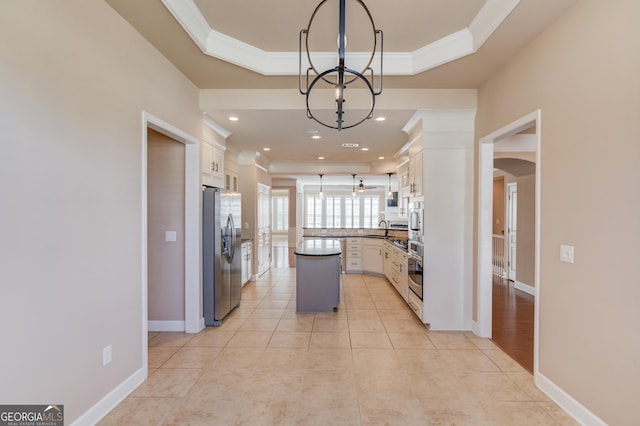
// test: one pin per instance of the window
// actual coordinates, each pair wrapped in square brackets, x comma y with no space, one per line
[343,211]
[352,212]
[280,213]
[371,209]
[314,212]
[333,212]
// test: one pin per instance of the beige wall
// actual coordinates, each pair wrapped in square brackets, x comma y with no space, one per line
[75,80]
[583,72]
[165,210]
[525,237]
[498,206]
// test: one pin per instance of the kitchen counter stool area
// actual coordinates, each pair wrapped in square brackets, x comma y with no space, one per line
[371,362]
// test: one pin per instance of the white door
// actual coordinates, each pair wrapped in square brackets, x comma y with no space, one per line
[264,228]
[512,228]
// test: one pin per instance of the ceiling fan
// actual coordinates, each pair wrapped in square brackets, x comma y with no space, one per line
[363,187]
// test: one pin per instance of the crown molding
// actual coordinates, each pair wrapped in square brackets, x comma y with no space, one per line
[444,50]
[210,123]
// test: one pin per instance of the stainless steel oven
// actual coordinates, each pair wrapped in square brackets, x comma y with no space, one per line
[414,267]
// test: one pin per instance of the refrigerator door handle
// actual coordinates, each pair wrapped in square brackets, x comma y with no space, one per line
[232,248]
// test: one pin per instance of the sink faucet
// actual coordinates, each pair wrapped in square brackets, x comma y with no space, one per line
[386,226]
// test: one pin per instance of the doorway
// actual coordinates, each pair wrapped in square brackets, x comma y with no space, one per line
[483,323]
[192,294]
[165,232]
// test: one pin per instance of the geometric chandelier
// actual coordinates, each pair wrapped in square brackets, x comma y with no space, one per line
[332,110]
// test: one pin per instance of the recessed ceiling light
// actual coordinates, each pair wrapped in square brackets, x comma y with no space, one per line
[350,145]
[380,158]
[380,118]
[316,137]
[266,149]
[320,158]
[364,149]
[233,118]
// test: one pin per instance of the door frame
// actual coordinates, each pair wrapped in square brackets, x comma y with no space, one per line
[193,316]
[482,325]
[510,219]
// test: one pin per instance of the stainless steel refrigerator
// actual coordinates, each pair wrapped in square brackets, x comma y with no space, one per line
[221,253]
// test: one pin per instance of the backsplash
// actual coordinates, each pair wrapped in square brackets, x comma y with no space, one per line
[354,232]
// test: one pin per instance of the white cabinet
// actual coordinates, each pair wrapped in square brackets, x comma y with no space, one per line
[415,175]
[395,268]
[404,192]
[354,255]
[247,261]
[372,255]
[387,255]
[212,164]
[403,287]
[415,304]
[231,181]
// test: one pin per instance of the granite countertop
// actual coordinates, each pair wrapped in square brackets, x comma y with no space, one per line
[399,242]
[319,247]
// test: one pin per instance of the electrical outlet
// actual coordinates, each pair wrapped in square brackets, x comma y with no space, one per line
[106,355]
[566,253]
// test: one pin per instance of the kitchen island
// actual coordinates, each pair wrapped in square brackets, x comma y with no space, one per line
[318,275]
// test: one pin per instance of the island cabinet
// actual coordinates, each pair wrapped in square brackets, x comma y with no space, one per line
[372,255]
[318,275]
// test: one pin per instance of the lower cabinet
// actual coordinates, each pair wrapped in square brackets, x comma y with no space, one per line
[395,268]
[247,261]
[415,304]
[354,255]
[386,261]
[372,255]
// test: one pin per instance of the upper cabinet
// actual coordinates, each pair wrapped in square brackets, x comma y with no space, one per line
[404,192]
[212,164]
[231,181]
[415,175]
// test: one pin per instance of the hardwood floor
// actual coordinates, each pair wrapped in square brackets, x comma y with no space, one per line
[513,317]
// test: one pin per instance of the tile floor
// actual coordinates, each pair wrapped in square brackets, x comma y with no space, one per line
[370,363]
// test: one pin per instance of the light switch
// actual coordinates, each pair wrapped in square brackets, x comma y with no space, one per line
[170,235]
[566,253]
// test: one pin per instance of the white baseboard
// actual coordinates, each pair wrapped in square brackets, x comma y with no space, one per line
[475,327]
[113,398]
[524,287]
[166,326]
[576,410]
[202,326]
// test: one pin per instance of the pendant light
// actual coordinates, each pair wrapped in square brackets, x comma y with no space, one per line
[389,194]
[353,186]
[343,75]
[321,193]
[361,186]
